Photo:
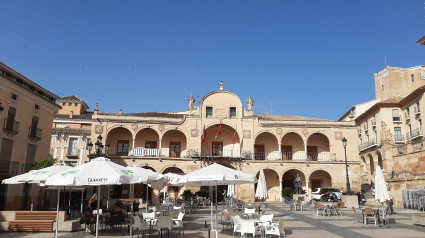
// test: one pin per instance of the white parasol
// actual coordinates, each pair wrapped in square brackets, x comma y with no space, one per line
[214,175]
[261,192]
[381,192]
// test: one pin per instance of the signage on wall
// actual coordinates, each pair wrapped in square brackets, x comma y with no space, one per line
[344,173]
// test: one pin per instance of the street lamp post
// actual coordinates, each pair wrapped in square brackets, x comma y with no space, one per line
[99,147]
[344,143]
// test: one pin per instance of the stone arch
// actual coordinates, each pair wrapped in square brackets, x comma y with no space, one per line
[371,165]
[319,178]
[272,183]
[120,140]
[380,162]
[292,146]
[363,164]
[222,145]
[173,143]
[172,169]
[125,126]
[289,175]
[146,127]
[317,146]
[266,146]
[147,137]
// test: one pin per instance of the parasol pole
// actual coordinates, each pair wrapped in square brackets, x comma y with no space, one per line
[97,215]
[57,213]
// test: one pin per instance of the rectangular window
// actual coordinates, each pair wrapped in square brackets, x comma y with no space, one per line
[217,148]
[10,123]
[412,77]
[209,112]
[36,107]
[232,112]
[396,115]
[73,147]
[76,104]
[14,97]
[150,144]
[70,104]
[64,104]
[6,155]
[31,151]
[312,153]
[397,134]
[122,147]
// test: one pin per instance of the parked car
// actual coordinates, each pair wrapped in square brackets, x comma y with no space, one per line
[317,194]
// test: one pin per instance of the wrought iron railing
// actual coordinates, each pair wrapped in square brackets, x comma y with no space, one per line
[414,133]
[11,126]
[34,133]
[368,144]
[9,167]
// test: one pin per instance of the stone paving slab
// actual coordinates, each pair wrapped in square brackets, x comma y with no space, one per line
[297,224]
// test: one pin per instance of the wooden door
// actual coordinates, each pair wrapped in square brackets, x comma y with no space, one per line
[259,152]
[286,152]
[175,148]
[312,153]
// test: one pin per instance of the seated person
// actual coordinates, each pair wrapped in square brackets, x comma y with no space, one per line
[116,215]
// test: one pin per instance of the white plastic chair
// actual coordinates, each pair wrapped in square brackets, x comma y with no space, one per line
[248,227]
[140,226]
[178,223]
[250,212]
[276,229]
[266,219]
[236,225]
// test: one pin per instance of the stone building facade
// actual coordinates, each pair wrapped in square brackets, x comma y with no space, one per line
[221,129]
[26,127]
[71,131]
[390,131]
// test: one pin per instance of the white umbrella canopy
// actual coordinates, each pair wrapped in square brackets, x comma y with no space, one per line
[99,171]
[144,174]
[216,174]
[381,192]
[261,192]
[37,176]
[172,178]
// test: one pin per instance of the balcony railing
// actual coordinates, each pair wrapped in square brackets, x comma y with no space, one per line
[26,168]
[414,134]
[11,126]
[370,143]
[398,138]
[9,167]
[34,133]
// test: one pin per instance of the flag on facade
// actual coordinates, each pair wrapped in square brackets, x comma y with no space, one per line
[204,134]
[234,136]
[218,131]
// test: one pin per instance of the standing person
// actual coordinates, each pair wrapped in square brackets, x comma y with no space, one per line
[390,202]
[90,216]
[224,195]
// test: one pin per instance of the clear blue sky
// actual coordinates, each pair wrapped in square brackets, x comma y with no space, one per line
[313,58]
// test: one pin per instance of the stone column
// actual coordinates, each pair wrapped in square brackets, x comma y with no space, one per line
[281,189]
[280,153]
[55,144]
[160,147]
[305,149]
[307,191]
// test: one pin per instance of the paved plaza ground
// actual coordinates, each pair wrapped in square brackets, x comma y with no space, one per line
[297,224]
